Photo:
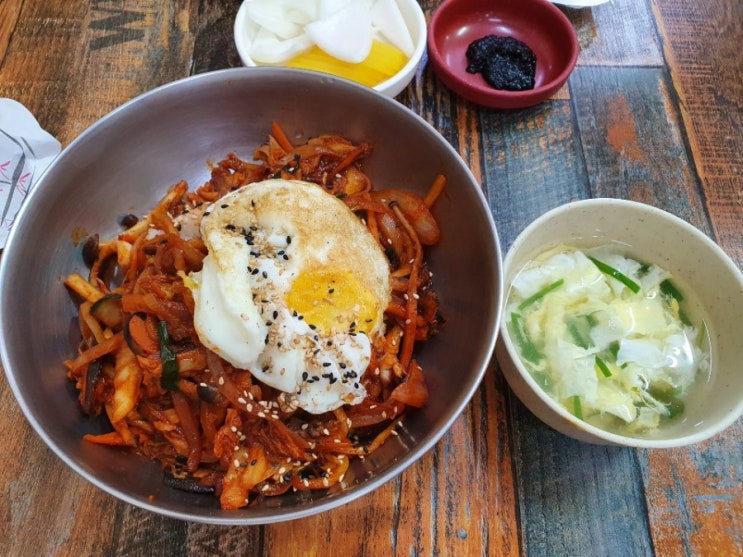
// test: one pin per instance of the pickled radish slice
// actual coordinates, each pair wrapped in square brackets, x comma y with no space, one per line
[370,33]
[267,48]
[346,34]
[386,17]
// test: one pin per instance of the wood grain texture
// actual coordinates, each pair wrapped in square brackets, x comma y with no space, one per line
[702,44]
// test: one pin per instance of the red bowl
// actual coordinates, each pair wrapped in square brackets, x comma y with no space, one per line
[538,23]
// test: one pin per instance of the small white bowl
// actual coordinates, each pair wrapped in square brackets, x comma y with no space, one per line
[695,262]
[414,19]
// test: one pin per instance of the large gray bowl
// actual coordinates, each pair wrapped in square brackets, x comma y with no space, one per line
[126,161]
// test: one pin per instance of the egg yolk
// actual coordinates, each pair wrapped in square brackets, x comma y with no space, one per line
[333,300]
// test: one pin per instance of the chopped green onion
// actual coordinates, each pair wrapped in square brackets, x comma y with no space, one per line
[526,346]
[603,367]
[614,349]
[614,273]
[667,288]
[576,333]
[673,404]
[541,294]
[577,409]
[170,375]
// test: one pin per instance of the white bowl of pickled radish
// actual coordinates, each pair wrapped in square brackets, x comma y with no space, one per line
[622,325]
[378,43]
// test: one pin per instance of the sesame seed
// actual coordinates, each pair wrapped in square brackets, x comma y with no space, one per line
[241,400]
[249,407]
[325,482]
[220,380]
[263,415]
[236,463]
[306,482]
[325,431]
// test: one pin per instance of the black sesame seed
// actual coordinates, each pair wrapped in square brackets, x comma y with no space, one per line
[275,314]
[254,462]
[331,290]
[315,378]
[326,364]
[343,366]
[286,257]
[313,327]
[265,274]
[207,213]
[305,375]
[269,323]
[288,239]
[255,271]
[327,375]
[316,351]
[224,205]
[332,380]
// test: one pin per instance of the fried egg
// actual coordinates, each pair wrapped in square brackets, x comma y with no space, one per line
[293,289]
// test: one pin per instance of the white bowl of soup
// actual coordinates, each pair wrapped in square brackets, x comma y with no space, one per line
[621,325]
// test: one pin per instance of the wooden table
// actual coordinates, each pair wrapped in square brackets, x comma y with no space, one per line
[653,112]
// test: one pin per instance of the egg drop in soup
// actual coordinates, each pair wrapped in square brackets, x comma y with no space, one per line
[613,340]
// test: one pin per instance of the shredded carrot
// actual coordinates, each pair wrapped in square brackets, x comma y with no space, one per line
[350,157]
[435,190]
[108,346]
[278,133]
[408,339]
[139,332]
[112,438]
